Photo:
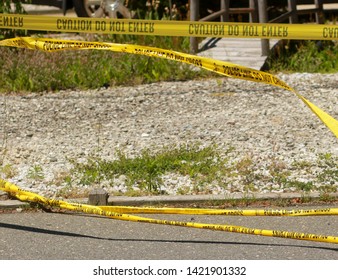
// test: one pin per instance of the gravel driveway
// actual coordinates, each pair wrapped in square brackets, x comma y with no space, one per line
[258,120]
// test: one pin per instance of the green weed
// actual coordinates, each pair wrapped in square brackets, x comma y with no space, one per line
[27,70]
[329,174]
[299,185]
[206,167]
[8,171]
[35,173]
[145,170]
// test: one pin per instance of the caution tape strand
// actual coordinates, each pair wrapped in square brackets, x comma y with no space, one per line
[220,67]
[225,212]
[170,28]
[105,211]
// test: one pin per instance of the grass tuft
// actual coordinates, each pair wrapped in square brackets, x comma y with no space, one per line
[26,70]
[145,170]
[205,167]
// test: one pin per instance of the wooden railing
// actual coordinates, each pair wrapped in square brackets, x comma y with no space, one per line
[257,11]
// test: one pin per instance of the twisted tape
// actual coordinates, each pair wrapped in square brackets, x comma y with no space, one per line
[120,214]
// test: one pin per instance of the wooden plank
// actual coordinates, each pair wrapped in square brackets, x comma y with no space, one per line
[325,7]
[243,51]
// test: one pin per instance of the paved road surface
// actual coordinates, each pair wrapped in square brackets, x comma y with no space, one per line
[74,236]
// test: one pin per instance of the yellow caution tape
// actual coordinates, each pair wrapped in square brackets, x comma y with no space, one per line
[223,212]
[119,214]
[220,67]
[170,28]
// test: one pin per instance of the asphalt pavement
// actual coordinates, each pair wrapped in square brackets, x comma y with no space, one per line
[61,236]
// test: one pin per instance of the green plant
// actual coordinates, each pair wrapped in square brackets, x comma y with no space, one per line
[305,198]
[304,56]
[146,169]
[63,177]
[27,70]
[325,197]
[302,165]
[245,168]
[206,167]
[36,173]
[279,172]
[329,174]
[300,186]
[8,171]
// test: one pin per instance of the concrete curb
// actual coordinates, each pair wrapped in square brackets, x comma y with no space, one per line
[134,201]
[181,199]
[13,204]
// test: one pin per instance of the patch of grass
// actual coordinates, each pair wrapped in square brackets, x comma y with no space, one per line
[245,168]
[300,186]
[201,164]
[26,70]
[302,164]
[325,197]
[35,173]
[204,168]
[329,174]
[183,190]
[279,172]
[62,177]
[304,56]
[200,168]
[8,171]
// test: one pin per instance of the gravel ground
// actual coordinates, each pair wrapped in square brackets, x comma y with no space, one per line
[258,120]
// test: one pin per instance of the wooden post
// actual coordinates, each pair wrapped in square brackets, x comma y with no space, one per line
[194,16]
[319,13]
[225,4]
[263,18]
[170,10]
[292,7]
[253,16]
[98,197]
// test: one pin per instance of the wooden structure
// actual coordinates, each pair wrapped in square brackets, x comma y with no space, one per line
[98,197]
[257,10]
[243,51]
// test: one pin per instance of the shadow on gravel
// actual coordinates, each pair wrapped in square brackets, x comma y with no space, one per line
[70,234]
